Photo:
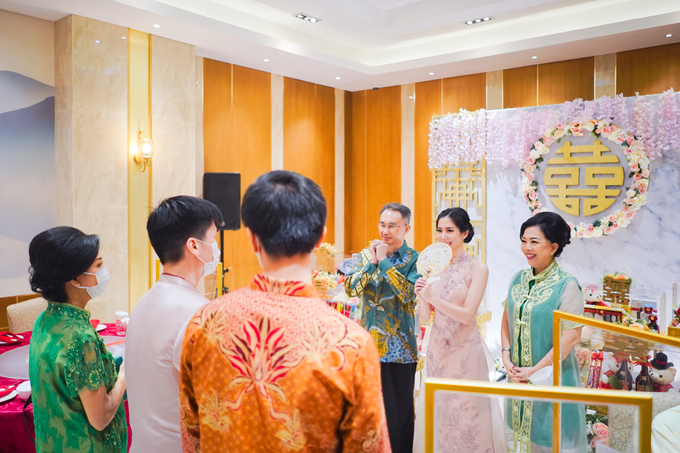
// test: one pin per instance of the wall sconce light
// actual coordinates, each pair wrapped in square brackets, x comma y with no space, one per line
[145,153]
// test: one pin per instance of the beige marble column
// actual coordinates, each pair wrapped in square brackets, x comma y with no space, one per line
[605,75]
[277,122]
[494,90]
[173,116]
[340,169]
[91,144]
[408,153]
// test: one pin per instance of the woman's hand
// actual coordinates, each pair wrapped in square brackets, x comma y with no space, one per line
[420,284]
[510,368]
[522,374]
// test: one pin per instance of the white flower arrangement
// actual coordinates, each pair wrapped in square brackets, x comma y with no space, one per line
[638,162]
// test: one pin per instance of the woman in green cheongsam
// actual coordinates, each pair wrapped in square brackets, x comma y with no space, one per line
[77,393]
[527,336]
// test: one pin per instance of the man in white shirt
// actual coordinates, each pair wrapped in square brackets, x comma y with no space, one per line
[182,232]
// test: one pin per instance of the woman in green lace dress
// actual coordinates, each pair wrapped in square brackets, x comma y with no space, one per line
[527,336]
[77,394]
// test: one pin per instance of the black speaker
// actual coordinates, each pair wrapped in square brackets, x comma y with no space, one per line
[224,189]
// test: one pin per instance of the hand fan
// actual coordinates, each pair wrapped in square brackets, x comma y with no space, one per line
[434,260]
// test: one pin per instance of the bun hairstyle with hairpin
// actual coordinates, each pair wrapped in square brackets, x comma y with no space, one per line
[461,219]
[554,228]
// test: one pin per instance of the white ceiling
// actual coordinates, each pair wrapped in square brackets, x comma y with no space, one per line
[371,43]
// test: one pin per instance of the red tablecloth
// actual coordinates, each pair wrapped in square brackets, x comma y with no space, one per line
[13,436]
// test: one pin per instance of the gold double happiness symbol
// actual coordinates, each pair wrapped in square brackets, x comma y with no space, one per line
[594,200]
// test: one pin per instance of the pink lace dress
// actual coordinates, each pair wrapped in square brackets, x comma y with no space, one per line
[457,351]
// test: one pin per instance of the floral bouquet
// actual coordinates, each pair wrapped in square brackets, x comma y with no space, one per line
[597,430]
[324,257]
[324,282]
[634,323]
[620,277]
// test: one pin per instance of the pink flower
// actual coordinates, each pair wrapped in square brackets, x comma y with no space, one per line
[635,167]
[590,228]
[619,140]
[630,214]
[630,140]
[643,189]
[601,430]
[627,151]
[571,225]
[629,201]
[645,173]
[637,177]
[530,176]
[609,230]
[526,199]
[532,195]
[612,218]
[548,140]
[606,130]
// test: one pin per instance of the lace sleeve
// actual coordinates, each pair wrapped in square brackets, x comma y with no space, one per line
[571,301]
[84,365]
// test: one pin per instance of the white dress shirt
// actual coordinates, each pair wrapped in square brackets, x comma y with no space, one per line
[152,351]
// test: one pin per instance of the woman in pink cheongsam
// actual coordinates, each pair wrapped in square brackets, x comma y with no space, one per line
[456,348]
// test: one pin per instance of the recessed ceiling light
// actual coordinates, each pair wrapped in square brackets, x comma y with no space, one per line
[534,57]
[410,97]
[478,20]
[432,73]
[156,26]
[307,17]
[669,35]
[123,37]
[337,78]
[266,60]
[97,41]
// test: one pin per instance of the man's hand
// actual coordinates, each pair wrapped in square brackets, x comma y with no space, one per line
[381,251]
[374,258]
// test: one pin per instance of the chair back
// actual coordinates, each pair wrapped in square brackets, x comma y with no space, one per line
[22,316]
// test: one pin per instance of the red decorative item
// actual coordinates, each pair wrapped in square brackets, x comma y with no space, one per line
[595,369]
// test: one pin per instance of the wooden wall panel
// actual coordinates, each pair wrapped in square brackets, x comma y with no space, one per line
[566,81]
[355,176]
[217,114]
[648,71]
[309,138]
[428,103]
[383,154]
[465,92]
[520,87]
[237,137]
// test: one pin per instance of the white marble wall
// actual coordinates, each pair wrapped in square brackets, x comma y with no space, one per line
[649,246]
[91,144]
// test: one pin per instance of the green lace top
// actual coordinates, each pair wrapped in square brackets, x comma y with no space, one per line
[67,356]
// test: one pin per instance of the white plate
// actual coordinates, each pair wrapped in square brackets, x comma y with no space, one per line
[9,396]
[6,343]
[100,327]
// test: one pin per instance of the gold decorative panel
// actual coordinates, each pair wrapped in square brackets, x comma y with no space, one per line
[463,186]
[569,199]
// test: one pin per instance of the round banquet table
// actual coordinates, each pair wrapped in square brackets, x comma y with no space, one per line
[13,436]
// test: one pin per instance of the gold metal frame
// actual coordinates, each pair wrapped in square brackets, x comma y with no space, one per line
[563,394]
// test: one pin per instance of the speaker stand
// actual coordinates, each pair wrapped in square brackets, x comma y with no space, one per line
[224,268]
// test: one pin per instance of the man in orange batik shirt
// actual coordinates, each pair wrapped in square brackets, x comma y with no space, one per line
[272,368]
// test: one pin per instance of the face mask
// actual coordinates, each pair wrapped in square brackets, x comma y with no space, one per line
[209,268]
[259,260]
[103,278]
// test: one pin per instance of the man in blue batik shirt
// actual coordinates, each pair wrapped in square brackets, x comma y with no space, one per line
[383,279]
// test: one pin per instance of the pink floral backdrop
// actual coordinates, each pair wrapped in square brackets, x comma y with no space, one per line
[507,135]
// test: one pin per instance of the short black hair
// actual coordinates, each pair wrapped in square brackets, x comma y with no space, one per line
[400,208]
[286,211]
[554,228]
[176,220]
[461,219]
[57,256]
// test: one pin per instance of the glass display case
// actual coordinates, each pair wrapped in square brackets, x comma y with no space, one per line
[622,360]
